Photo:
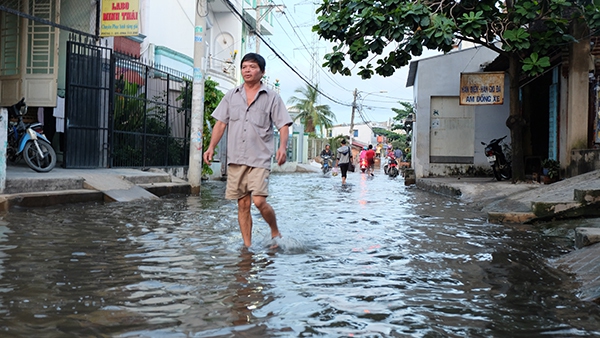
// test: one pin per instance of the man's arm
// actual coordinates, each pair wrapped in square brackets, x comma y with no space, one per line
[217,133]
[284,134]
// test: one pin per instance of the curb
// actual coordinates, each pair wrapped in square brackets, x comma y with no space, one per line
[44,199]
[510,217]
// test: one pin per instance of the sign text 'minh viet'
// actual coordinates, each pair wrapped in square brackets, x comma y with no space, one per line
[482,88]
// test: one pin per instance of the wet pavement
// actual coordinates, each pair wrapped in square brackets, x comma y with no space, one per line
[372,259]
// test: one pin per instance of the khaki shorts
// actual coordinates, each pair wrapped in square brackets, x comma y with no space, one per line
[243,180]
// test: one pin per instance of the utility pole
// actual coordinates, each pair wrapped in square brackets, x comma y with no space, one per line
[197,121]
[257,28]
[355,106]
[260,15]
[352,116]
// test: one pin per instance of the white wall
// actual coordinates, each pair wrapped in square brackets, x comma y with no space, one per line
[365,134]
[440,76]
[173,25]
[169,24]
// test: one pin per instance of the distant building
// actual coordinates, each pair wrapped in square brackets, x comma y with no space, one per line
[362,133]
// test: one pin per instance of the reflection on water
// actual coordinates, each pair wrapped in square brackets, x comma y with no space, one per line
[372,259]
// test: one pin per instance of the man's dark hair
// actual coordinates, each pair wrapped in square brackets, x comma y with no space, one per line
[343,141]
[370,146]
[255,58]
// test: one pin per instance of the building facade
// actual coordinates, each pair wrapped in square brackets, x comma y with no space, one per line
[559,107]
[447,136]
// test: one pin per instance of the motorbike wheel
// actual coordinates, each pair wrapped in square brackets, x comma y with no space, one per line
[393,172]
[499,172]
[36,162]
[506,171]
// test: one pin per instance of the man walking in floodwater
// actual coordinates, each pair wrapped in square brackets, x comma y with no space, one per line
[250,111]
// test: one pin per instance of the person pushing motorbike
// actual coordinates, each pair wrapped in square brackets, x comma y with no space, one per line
[327,155]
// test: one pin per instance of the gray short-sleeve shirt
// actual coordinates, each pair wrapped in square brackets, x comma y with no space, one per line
[250,128]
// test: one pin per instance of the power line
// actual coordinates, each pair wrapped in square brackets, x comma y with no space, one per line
[236,12]
[313,56]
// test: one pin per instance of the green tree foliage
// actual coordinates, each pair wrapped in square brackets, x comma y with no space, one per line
[389,135]
[383,36]
[212,98]
[401,114]
[142,135]
[528,28]
[336,142]
[397,140]
[310,113]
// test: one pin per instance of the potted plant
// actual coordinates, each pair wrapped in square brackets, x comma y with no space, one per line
[550,170]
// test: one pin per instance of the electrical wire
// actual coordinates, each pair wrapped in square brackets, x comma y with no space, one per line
[304,47]
[236,12]
[312,55]
[300,38]
[221,30]
[184,13]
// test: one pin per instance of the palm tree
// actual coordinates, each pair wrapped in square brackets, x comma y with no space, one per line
[311,114]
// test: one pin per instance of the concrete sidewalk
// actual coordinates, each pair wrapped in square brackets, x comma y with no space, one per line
[27,188]
[505,202]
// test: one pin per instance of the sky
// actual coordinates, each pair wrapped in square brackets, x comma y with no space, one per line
[293,41]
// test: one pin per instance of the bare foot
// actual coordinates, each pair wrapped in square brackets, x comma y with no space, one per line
[274,244]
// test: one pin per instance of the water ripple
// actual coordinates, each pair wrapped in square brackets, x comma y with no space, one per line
[373,259]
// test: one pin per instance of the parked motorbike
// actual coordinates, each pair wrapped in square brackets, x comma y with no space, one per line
[363,165]
[391,167]
[27,141]
[326,166]
[495,155]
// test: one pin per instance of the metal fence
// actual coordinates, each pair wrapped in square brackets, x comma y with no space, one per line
[124,113]
[315,146]
[151,124]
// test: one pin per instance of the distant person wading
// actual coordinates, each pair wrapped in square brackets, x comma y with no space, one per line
[344,156]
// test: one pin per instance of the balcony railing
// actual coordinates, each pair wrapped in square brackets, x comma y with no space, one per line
[227,67]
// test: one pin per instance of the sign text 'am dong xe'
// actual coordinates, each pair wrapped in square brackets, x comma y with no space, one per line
[482,88]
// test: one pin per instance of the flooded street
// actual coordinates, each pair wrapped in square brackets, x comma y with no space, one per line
[372,259]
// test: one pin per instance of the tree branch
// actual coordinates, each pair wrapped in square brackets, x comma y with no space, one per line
[483,43]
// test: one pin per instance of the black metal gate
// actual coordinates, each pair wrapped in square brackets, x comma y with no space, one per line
[88,96]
